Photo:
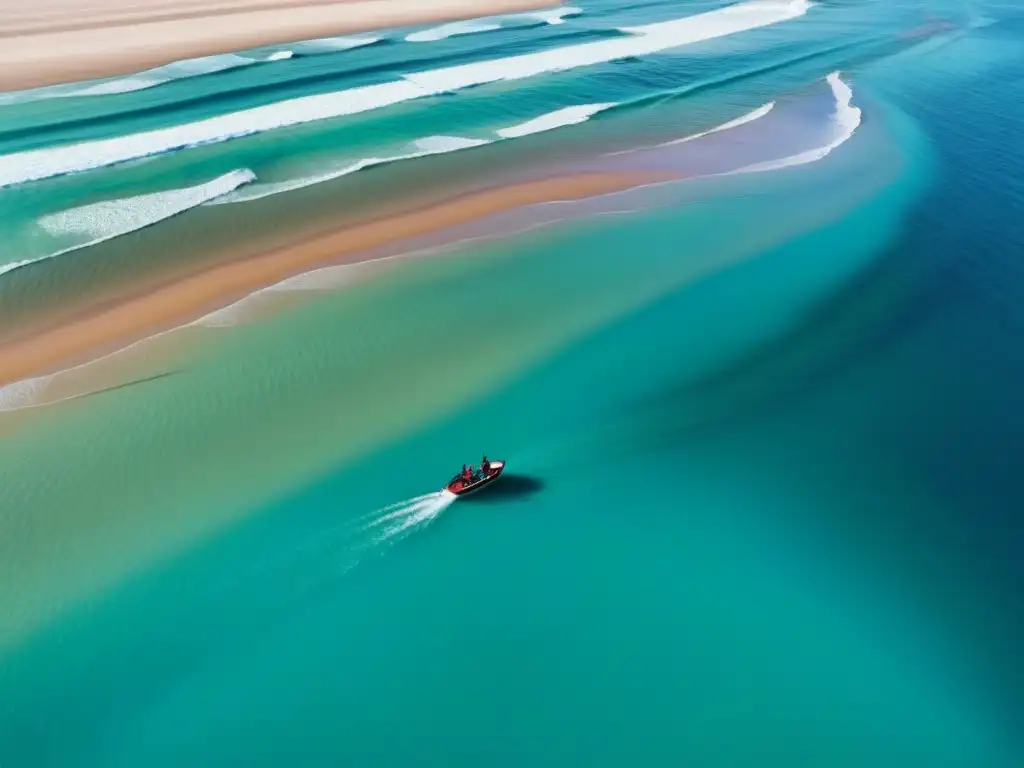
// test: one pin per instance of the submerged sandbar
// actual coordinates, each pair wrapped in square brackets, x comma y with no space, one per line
[190,297]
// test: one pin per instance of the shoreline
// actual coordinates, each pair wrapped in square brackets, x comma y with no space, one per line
[95,335]
[58,42]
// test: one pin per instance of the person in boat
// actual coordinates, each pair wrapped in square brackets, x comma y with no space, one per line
[467,474]
[485,466]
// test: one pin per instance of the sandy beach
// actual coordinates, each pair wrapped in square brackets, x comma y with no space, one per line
[98,333]
[58,41]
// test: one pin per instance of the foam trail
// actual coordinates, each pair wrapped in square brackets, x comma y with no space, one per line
[403,511]
[104,221]
[454,29]
[392,511]
[845,122]
[556,119]
[418,515]
[54,161]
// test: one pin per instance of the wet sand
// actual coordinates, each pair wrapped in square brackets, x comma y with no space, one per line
[105,330]
[58,41]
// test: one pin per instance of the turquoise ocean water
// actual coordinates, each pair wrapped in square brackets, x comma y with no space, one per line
[764,425]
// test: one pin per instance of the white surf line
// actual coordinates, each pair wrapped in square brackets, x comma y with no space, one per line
[554,15]
[750,117]
[557,119]
[430,145]
[551,16]
[424,147]
[149,78]
[32,165]
[111,219]
[845,121]
[453,29]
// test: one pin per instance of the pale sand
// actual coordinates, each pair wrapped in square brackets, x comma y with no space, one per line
[193,296]
[44,42]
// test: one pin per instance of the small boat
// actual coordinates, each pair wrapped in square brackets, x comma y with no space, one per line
[459,486]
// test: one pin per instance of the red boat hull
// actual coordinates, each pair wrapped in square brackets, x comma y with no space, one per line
[460,487]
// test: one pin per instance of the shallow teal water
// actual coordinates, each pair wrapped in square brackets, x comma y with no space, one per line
[763,504]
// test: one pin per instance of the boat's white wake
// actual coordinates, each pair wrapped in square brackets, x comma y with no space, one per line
[330,553]
[401,519]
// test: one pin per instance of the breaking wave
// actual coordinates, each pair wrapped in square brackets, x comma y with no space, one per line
[149,78]
[38,164]
[429,145]
[334,44]
[100,222]
[557,119]
[750,117]
[489,24]
[555,15]
[845,121]
[454,29]
[327,554]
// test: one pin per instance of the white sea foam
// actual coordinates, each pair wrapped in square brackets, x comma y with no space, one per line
[555,15]
[146,79]
[279,56]
[54,161]
[437,145]
[21,394]
[99,222]
[639,41]
[429,145]
[454,29]
[556,119]
[489,24]
[333,44]
[750,117]
[845,121]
